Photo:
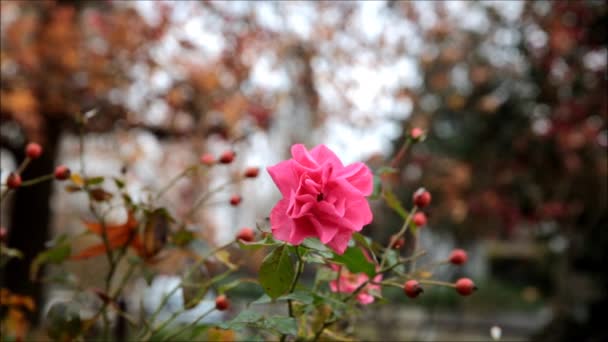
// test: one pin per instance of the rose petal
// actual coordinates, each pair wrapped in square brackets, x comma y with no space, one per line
[360,177]
[284,176]
[322,155]
[302,157]
[340,241]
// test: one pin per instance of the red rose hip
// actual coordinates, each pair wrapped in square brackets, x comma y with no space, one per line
[412,288]
[252,172]
[62,172]
[458,256]
[465,286]
[227,157]
[235,200]
[207,159]
[222,303]
[419,219]
[422,198]
[246,234]
[33,150]
[13,181]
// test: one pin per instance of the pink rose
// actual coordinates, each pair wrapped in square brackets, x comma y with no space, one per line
[349,282]
[321,198]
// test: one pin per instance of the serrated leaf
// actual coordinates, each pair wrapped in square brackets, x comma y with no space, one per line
[315,244]
[393,202]
[277,272]
[356,262]
[281,324]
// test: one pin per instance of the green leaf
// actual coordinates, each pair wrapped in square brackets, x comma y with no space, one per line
[316,245]
[94,180]
[377,190]
[386,170]
[281,324]
[365,242]
[182,237]
[356,262]
[119,183]
[300,296]
[266,242]
[59,251]
[393,202]
[194,285]
[277,272]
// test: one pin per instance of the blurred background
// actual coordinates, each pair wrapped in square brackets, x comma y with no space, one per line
[512,95]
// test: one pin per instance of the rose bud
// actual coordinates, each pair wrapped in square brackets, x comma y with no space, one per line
[252,172]
[207,159]
[227,157]
[465,286]
[13,181]
[422,198]
[222,303]
[62,172]
[33,150]
[419,219]
[235,200]
[246,234]
[458,257]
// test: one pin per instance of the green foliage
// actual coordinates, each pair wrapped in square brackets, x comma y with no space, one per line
[60,249]
[253,319]
[356,262]
[277,272]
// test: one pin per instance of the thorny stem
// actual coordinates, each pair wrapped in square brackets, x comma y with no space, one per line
[175,180]
[396,237]
[205,197]
[401,153]
[299,271]
[168,295]
[19,170]
[38,180]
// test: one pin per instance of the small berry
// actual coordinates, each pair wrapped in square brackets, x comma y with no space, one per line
[3,234]
[235,200]
[416,133]
[422,198]
[458,257]
[62,172]
[399,243]
[13,181]
[252,172]
[465,286]
[246,234]
[419,219]
[207,159]
[412,288]
[33,150]
[227,157]
[221,303]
